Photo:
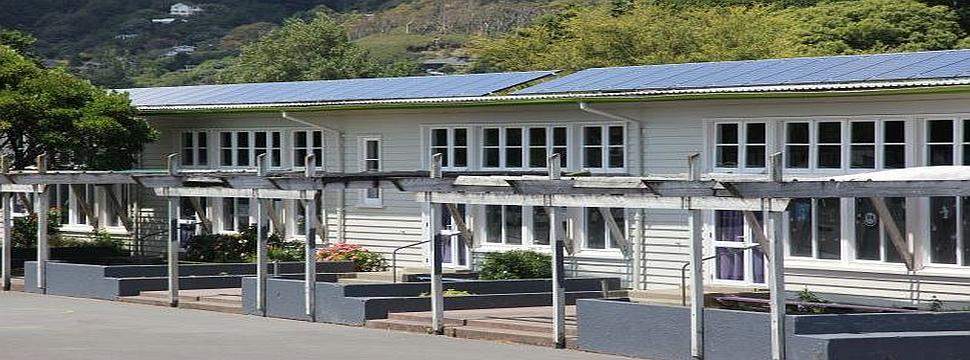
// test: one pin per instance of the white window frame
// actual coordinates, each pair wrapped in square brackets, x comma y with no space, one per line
[235,226]
[742,146]
[194,149]
[604,147]
[710,217]
[450,146]
[373,198]
[310,148]
[612,246]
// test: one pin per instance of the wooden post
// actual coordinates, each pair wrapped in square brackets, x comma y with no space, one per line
[7,200]
[173,237]
[636,268]
[558,264]
[895,235]
[40,208]
[776,269]
[437,292]
[695,223]
[260,241]
[310,271]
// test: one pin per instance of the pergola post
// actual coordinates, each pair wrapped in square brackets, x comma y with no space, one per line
[558,266]
[173,236]
[260,241]
[437,292]
[636,271]
[40,208]
[7,201]
[776,269]
[310,272]
[694,221]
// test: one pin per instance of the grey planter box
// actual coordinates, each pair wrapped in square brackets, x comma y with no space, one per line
[111,281]
[354,304]
[660,332]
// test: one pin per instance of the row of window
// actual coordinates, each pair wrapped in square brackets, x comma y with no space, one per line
[840,145]
[241,148]
[529,225]
[70,204]
[528,147]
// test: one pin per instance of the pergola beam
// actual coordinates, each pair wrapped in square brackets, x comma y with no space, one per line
[614,201]
[848,189]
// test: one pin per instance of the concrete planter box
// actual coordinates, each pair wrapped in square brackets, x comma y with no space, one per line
[70,254]
[660,332]
[354,304]
[111,281]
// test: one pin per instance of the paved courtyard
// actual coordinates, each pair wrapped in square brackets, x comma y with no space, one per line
[48,327]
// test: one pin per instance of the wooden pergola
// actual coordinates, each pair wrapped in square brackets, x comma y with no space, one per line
[693,194]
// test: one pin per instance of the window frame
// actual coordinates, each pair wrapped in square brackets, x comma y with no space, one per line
[451,146]
[604,147]
[742,145]
[373,198]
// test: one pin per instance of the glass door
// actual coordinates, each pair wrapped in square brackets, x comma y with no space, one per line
[455,251]
[735,260]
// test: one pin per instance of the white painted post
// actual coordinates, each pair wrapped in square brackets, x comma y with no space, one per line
[776,270]
[694,221]
[310,271]
[437,292]
[173,237]
[7,200]
[40,208]
[261,269]
[558,267]
[637,270]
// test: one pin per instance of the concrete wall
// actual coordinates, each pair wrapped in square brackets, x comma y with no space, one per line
[661,332]
[110,282]
[353,304]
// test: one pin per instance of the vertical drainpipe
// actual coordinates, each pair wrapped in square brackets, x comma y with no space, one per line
[636,271]
[339,135]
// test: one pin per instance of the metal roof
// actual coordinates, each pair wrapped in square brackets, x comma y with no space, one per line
[794,72]
[331,91]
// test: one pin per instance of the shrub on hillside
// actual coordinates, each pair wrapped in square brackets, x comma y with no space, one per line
[516,264]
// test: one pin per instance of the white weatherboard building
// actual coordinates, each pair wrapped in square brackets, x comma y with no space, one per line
[182,9]
[829,116]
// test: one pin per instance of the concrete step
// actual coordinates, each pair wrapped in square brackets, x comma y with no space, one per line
[423,327]
[520,325]
[197,305]
[423,318]
[223,299]
[509,336]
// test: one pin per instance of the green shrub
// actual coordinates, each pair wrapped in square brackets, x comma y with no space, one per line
[24,231]
[241,247]
[516,264]
[449,293]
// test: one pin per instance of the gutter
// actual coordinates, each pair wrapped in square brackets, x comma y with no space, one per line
[341,201]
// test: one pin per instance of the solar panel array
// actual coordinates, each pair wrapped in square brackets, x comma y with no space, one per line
[416,87]
[794,71]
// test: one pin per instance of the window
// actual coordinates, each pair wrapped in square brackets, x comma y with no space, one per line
[865,144]
[872,241]
[598,234]
[603,147]
[814,228]
[545,141]
[949,230]
[307,142]
[735,142]
[60,199]
[240,148]
[502,148]
[370,161]
[452,144]
[503,224]
[195,148]
[235,213]
[111,213]
[939,142]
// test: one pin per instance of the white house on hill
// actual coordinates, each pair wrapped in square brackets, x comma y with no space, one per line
[182,9]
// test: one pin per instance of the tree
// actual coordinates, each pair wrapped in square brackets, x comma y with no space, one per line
[21,42]
[77,124]
[645,33]
[302,50]
[875,26]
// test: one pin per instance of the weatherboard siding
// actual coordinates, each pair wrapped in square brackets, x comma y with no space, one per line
[669,130]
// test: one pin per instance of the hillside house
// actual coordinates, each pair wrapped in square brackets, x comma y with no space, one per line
[183,9]
[828,115]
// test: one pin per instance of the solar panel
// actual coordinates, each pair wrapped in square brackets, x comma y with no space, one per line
[415,87]
[794,71]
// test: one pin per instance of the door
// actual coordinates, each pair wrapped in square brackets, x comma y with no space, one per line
[735,259]
[455,252]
